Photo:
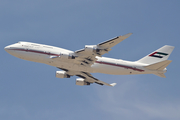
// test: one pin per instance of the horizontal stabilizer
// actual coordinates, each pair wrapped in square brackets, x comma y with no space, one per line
[160,75]
[159,65]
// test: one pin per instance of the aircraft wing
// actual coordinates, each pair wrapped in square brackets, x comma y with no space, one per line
[112,42]
[87,77]
[87,56]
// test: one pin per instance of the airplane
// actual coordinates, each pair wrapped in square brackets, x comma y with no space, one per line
[89,60]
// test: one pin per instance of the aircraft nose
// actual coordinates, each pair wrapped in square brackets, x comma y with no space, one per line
[6,48]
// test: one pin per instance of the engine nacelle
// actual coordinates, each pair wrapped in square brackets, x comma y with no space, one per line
[66,56]
[62,74]
[91,48]
[81,82]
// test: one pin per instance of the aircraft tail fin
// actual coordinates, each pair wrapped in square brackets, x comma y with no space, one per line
[157,56]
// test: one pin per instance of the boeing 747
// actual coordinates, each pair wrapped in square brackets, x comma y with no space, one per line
[89,60]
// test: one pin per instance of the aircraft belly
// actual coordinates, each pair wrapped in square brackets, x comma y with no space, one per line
[60,63]
[107,69]
[70,65]
[25,55]
[29,56]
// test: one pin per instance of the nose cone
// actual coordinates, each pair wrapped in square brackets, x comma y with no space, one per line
[11,49]
[7,48]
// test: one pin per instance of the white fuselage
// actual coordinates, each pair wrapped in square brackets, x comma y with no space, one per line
[42,54]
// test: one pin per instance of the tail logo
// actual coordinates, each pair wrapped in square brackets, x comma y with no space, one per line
[158,54]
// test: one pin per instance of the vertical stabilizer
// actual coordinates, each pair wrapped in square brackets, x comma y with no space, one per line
[159,55]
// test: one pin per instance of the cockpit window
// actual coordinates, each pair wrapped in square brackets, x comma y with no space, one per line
[48,47]
[35,45]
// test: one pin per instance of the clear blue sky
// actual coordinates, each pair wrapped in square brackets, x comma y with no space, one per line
[30,91]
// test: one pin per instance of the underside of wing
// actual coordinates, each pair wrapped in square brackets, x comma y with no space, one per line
[86,61]
[87,77]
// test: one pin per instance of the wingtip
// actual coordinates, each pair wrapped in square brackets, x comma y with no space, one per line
[127,35]
[113,84]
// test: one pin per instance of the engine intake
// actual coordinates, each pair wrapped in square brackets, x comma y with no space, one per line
[81,82]
[62,74]
[91,48]
[66,56]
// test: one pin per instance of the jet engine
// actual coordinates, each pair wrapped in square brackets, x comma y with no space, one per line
[91,48]
[62,74]
[81,82]
[66,56]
